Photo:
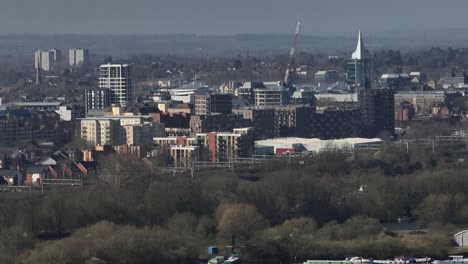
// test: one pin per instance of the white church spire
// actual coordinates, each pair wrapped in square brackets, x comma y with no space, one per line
[361,52]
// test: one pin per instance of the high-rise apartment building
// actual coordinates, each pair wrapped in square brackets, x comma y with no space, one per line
[47,60]
[97,99]
[335,123]
[377,111]
[78,57]
[57,54]
[292,121]
[360,66]
[263,120]
[116,77]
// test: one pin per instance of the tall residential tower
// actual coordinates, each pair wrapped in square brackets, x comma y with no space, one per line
[78,57]
[47,60]
[377,112]
[116,78]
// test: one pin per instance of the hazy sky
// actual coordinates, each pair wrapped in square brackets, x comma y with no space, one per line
[215,17]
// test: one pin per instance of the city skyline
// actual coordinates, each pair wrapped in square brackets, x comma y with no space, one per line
[211,17]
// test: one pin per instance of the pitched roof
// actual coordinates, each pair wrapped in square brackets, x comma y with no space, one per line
[47,161]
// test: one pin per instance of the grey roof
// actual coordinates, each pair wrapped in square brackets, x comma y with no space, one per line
[8,173]
[35,169]
[451,80]
[250,85]
[428,95]
[96,112]
[8,150]
[36,103]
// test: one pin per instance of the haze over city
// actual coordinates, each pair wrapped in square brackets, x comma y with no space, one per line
[221,17]
[233,131]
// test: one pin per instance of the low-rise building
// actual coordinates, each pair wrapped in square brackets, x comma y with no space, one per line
[336,98]
[328,76]
[223,146]
[22,124]
[294,145]
[271,95]
[35,175]
[172,120]
[206,104]
[303,97]
[423,102]
[246,91]
[11,177]
[185,93]
[119,130]
[461,238]
[140,134]
[64,111]
[180,108]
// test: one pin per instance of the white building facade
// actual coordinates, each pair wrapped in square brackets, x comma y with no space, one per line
[116,78]
[44,59]
[78,57]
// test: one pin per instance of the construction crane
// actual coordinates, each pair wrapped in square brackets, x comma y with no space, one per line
[292,54]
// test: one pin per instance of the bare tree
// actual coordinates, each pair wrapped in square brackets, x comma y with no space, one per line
[120,170]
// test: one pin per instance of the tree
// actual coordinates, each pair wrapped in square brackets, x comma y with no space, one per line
[238,220]
[359,227]
[296,227]
[14,240]
[284,240]
[56,213]
[120,170]
[435,208]
[79,143]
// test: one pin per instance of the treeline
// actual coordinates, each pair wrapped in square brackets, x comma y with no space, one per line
[327,206]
